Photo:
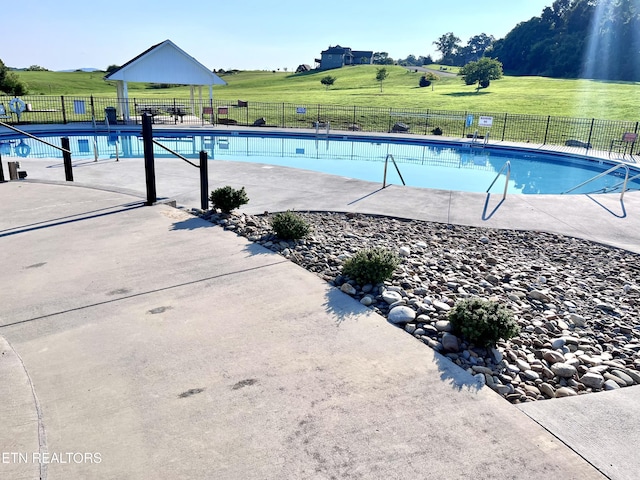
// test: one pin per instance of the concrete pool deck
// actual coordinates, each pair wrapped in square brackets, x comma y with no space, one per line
[227,361]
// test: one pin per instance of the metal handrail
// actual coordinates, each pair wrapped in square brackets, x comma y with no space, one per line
[485,141]
[327,124]
[613,187]
[612,169]
[22,132]
[174,153]
[386,161]
[507,165]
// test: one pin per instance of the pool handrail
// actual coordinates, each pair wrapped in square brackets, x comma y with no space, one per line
[22,132]
[155,142]
[327,124]
[506,165]
[600,175]
[386,161]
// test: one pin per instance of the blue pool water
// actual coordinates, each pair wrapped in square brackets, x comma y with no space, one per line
[427,165]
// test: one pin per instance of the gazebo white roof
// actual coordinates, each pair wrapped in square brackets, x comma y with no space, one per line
[165,63]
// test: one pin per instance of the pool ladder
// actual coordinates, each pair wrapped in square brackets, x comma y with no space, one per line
[476,143]
[507,167]
[386,162]
[611,170]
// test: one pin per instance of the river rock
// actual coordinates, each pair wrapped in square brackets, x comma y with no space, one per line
[401,314]
[450,342]
[564,370]
[565,392]
[553,356]
[348,289]
[592,380]
[391,297]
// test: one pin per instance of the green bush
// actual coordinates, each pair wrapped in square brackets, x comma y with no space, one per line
[290,226]
[482,322]
[228,198]
[371,265]
[424,81]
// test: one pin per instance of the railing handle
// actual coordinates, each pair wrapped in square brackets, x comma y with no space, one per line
[386,161]
[507,165]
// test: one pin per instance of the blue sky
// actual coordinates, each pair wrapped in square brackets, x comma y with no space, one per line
[243,34]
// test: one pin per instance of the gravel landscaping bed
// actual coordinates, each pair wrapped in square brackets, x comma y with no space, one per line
[577,302]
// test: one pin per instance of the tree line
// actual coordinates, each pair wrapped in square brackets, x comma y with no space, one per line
[598,39]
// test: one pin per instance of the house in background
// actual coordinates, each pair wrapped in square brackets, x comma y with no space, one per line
[337,57]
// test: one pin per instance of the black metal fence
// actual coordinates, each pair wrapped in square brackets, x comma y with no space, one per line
[604,135]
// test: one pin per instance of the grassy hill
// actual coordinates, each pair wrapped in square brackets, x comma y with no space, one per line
[358,86]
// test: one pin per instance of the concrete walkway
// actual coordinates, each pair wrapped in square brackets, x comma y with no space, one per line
[159,346]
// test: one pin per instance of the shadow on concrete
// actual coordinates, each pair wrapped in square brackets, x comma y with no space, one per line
[191,224]
[345,308]
[486,216]
[55,222]
[342,307]
[366,196]
[623,213]
[84,163]
[454,376]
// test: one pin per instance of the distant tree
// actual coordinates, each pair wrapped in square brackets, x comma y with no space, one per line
[382,58]
[410,60]
[112,68]
[327,81]
[475,48]
[10,83]
[425,60]
[37,68]
[576,38]
[481,72]
[381,76]
[447,44]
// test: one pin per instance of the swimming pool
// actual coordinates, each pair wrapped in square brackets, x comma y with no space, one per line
[447,166]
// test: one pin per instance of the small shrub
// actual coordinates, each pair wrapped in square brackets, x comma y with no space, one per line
[437,131]
[424,81]
[228,198]
[484,83]
[371,265]
[290,226]
[482,322]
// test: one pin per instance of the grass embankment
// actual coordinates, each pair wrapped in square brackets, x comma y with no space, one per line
[358,86]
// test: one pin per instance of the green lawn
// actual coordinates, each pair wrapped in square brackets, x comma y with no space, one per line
[358,86]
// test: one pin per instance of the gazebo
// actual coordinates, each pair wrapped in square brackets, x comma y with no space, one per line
[163,63]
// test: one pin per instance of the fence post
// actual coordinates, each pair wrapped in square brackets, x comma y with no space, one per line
[546,131]
[590,132]
[68,169]
[464,125]
[354,118]
[2,180]
[149,165]
[504,126]
[93,110]
[204,181]
[64,111]
[283,125]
